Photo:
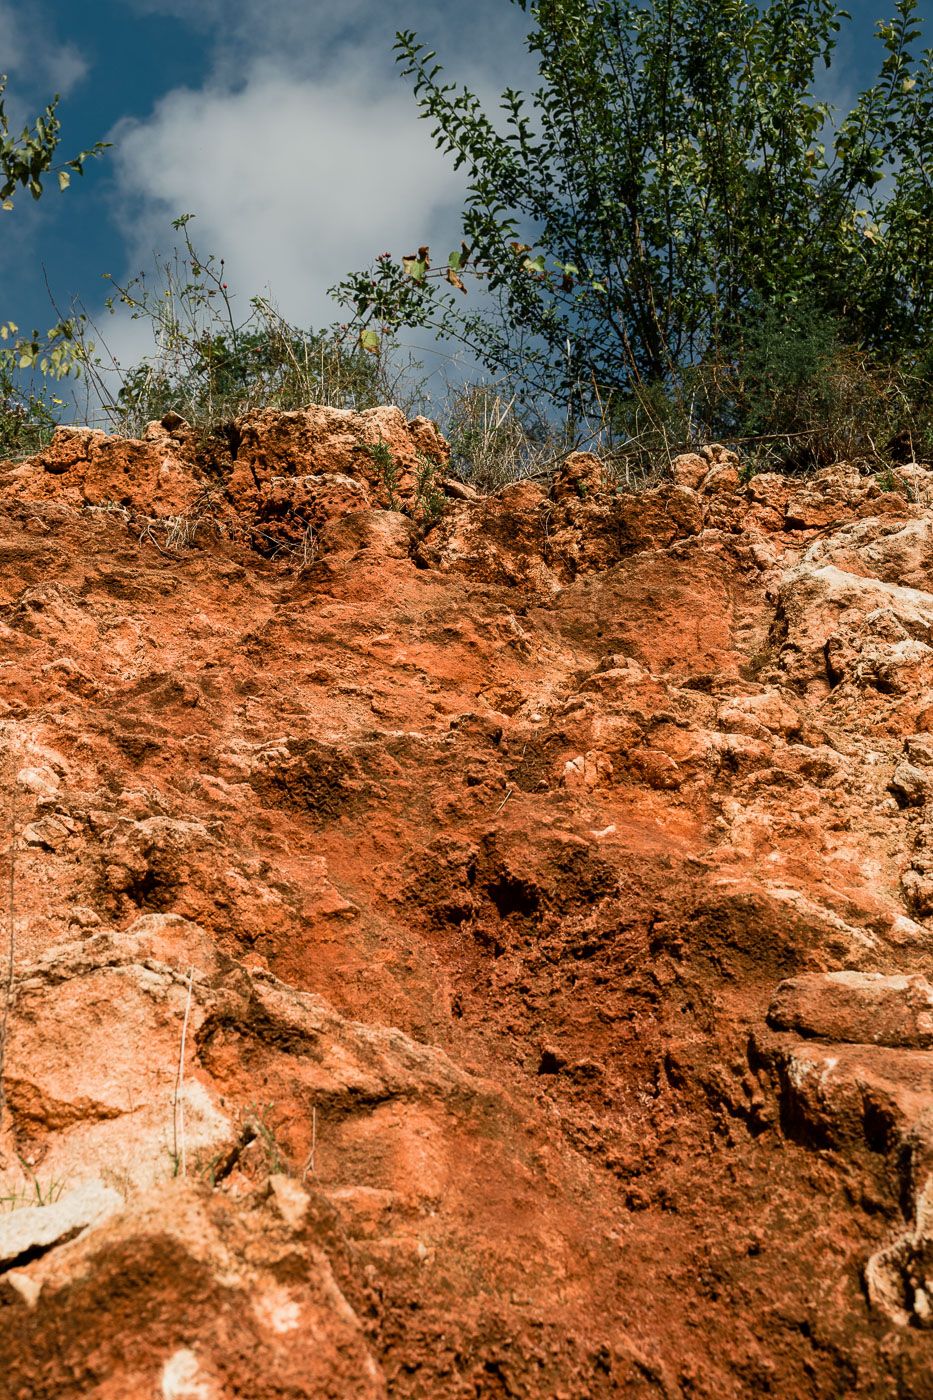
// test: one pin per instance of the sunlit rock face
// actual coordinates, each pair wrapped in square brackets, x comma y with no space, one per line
[463,945]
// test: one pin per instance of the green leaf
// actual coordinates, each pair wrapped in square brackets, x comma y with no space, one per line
[370,340]
[64,179]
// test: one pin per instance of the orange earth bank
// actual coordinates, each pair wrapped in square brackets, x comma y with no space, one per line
[485,959]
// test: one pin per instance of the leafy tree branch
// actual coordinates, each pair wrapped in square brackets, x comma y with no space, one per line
[24,161]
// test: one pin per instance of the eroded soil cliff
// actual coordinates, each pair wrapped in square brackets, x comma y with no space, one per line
[483,958]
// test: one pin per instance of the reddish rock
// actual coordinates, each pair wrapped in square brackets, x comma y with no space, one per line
[83,466]
[331,442]
[864,1007]
[689,469]
[721,479]
[581,475]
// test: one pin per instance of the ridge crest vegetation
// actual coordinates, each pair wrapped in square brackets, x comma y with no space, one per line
[673,240]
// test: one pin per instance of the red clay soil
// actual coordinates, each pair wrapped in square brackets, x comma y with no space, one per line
[473,957]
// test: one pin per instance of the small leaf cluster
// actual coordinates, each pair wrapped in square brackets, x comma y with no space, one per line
[56,354]
[26,158]
[27,417]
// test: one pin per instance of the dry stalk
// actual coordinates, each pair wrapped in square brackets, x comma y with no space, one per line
[178,1116]
[309,1165]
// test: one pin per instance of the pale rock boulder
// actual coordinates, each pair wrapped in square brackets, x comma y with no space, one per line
[769,489]
[863,1078]
[93,1095]
[97,1095]
[919,750]
[49,832]
[41,780]
[828,497]
[912,786]
[756,715]
[917,889]
[892,550]
[918,482]
[716,454]
[29,1229]
[590,770]
[832,625]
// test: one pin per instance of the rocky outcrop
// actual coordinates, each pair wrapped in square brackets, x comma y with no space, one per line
[479,949]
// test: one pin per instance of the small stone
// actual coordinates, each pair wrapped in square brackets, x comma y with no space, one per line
[49,833]
[458,489]
[912,787]
[84,917]
[41,781]
[289,1199]
[918,893]
[865,1008]
[26,1286]
[919,750]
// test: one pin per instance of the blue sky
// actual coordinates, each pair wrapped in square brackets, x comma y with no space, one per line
[283,126]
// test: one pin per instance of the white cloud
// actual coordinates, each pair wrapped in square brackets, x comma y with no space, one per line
[302,156]
[293,183]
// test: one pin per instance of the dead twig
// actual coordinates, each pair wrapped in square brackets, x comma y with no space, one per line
[148,535]
[178,1116]
[309,1165]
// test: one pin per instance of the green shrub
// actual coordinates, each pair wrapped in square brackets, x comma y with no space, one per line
[210,366]
[27,418]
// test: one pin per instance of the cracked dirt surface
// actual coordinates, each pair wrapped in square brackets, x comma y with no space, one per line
[542,900]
